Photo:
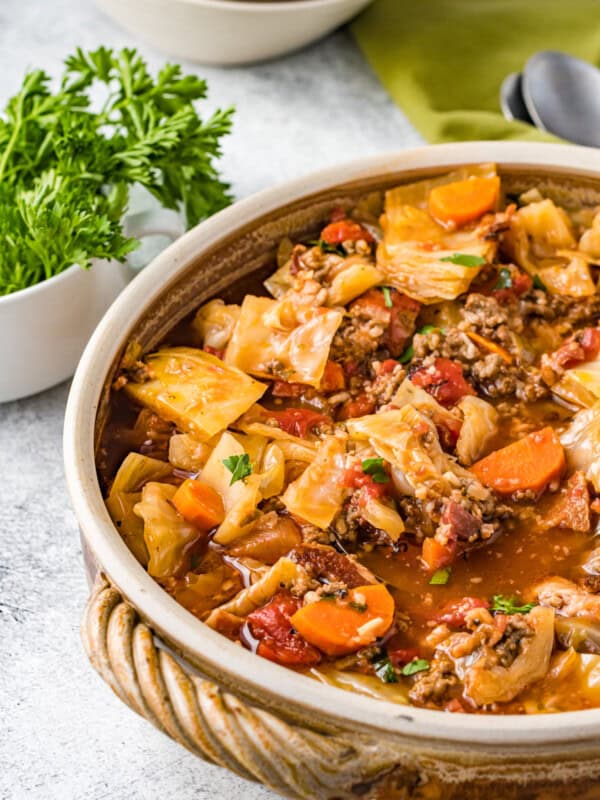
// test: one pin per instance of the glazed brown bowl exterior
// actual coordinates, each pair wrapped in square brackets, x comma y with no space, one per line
[266,722]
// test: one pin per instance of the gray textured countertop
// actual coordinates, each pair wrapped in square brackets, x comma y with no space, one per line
[64,734]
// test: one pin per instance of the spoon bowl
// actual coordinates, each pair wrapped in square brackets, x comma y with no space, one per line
[511,99]
[562,96]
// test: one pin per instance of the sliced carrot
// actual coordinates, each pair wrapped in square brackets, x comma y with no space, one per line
[340,626]
[333,377]
[491,347]
[437,555]
[199,503]
[464,201]
[528,464]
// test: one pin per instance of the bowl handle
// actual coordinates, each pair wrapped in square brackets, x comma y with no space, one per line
[217,726]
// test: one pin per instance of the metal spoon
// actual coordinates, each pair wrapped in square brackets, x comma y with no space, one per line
[562,95]
[511,99]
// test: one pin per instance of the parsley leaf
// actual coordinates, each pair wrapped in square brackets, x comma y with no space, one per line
[504,279]
[538,283]
[414,666]
[407,356]
[239,466]
[385,670]
[440,577]
[465,260]
[328,248]
[387,296]
[374,467]
[360,607]
[509,605]
[67,162]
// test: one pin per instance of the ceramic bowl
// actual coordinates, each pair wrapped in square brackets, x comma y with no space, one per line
[229,32]
[44,328]
[265,722]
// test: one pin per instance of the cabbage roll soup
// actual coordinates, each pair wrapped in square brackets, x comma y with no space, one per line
[382,468]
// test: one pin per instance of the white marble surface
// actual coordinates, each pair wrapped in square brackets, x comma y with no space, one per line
[64,736]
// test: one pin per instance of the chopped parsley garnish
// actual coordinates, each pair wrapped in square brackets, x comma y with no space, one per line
[374,467]
[504,279]
[239,466]
[407,355]
[414,666]
[465,260]
[509,605]
[440,577]
[385,671]
[538,283]
[360,607]
[387,296]
[337,249]
[329,596]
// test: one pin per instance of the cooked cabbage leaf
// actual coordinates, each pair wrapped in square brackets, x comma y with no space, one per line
[282,575]
[361,684]
[166,533]
[240,498]
[279,339]
[136,470]
[352,278]
[408,440]
[195,390]
[120,506]
[187,453]
[215,322]
[581,441]
[317,495]
[420,272]
[383,517]
[480,425]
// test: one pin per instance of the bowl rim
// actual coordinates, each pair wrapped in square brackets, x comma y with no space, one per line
[265,6]
[22,294]
[255,675]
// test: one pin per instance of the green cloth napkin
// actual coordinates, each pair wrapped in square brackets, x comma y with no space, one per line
[443,61]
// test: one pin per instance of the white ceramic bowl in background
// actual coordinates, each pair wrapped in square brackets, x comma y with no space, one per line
[44,329]
[229,32]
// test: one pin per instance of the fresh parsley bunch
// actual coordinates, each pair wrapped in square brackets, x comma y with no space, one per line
[66,166]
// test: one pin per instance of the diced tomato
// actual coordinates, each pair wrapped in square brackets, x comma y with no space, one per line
[345,230]
[569,509]
[521,283]
[333,378]
[299,421]
[213,351]
[284,389]
[590,341]
[355,478]
[454,706]
[401,316]
[453,613]
[443,380]
[401,656]
[584,346]
[448,431]
[351,368]
[359,407]
[279,641]
[387,366]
